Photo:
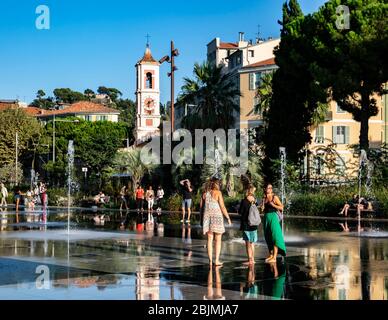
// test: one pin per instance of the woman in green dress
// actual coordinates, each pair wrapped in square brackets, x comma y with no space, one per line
[271,225]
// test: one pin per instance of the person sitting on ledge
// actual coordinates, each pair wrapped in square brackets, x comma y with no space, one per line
[352,204]
[100,198]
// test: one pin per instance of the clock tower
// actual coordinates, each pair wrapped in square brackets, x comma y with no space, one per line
[147,98]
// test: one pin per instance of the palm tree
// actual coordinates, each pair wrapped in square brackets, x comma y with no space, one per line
[264,95]
[214,95]
[131,162]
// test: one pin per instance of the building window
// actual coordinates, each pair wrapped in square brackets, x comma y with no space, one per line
[338,108]
[255,80]
[238,59]
[340,165]
[251,81]
[341,134]
[102,118]
[319,164]
[148,80]
[319,135]
[251,53]
[258,76]
[88,118]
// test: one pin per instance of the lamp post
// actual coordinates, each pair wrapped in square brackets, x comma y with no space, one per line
[16,157]
[54,120]
[171,59]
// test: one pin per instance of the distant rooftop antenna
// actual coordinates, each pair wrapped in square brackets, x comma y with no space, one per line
[258,32]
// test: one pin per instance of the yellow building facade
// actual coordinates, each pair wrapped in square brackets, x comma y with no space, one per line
[330,155]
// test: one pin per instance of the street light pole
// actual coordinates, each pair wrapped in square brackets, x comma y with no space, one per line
[16,157]
[54,139]
[171,59]
[172,87]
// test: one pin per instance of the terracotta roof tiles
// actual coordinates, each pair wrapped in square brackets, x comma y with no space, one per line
[268,62]
[82,107]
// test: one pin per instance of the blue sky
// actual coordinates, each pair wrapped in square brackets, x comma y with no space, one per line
[92,43]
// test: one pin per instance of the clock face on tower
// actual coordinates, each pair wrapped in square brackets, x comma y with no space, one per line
[149,106]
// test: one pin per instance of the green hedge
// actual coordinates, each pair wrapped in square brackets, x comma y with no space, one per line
[329,202]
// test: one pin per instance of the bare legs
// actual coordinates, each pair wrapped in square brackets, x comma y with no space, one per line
[188,213]
[272,255]
[217,238]
[218,248]
[345,209]
[250,252]
[210,247]
[183,214]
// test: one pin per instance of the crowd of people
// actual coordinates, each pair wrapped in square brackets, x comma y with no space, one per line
[213,211]
[35,195]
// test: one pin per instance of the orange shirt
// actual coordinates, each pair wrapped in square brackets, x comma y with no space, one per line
[140,193]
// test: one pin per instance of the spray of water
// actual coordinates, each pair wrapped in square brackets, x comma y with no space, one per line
[283,160]
[70,160]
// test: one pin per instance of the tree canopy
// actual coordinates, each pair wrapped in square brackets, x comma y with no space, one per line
[351,62]
[213,96]
[14,121]
[95,144]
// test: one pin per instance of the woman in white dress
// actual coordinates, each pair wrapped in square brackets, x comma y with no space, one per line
[213,220]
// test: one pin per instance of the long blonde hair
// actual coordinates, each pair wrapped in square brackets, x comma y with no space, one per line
[250,190]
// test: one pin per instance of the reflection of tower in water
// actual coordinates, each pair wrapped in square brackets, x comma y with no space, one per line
[147,284]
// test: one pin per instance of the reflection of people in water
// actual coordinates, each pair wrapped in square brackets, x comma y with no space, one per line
[211,293]
[275,276]
[3,219]
[99,220]
[250,289]
[186,238]
[160,229]
[140,222]
[344,226]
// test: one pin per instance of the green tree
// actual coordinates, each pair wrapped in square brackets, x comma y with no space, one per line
[131,162]
[90,94]
[127,116]
[94,142]
[112,93]
[214,95]
[14,121]
[296,93]
[66,95]
[352,62]
[41,102]
[10,173]
[264,95]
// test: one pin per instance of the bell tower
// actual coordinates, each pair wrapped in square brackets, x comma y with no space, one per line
[147,97]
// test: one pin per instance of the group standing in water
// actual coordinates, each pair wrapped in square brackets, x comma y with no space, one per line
[213,212]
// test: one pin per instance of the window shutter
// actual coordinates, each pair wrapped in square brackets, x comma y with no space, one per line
[251,81]
[334,134]
[347,135]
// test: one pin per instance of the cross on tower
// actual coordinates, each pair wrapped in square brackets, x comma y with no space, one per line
[148,39]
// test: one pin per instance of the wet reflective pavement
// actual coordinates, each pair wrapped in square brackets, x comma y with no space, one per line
[102,259]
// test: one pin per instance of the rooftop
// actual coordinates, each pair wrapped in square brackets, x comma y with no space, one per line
[263,63]
[82,107]
[228,45]
[148,58]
